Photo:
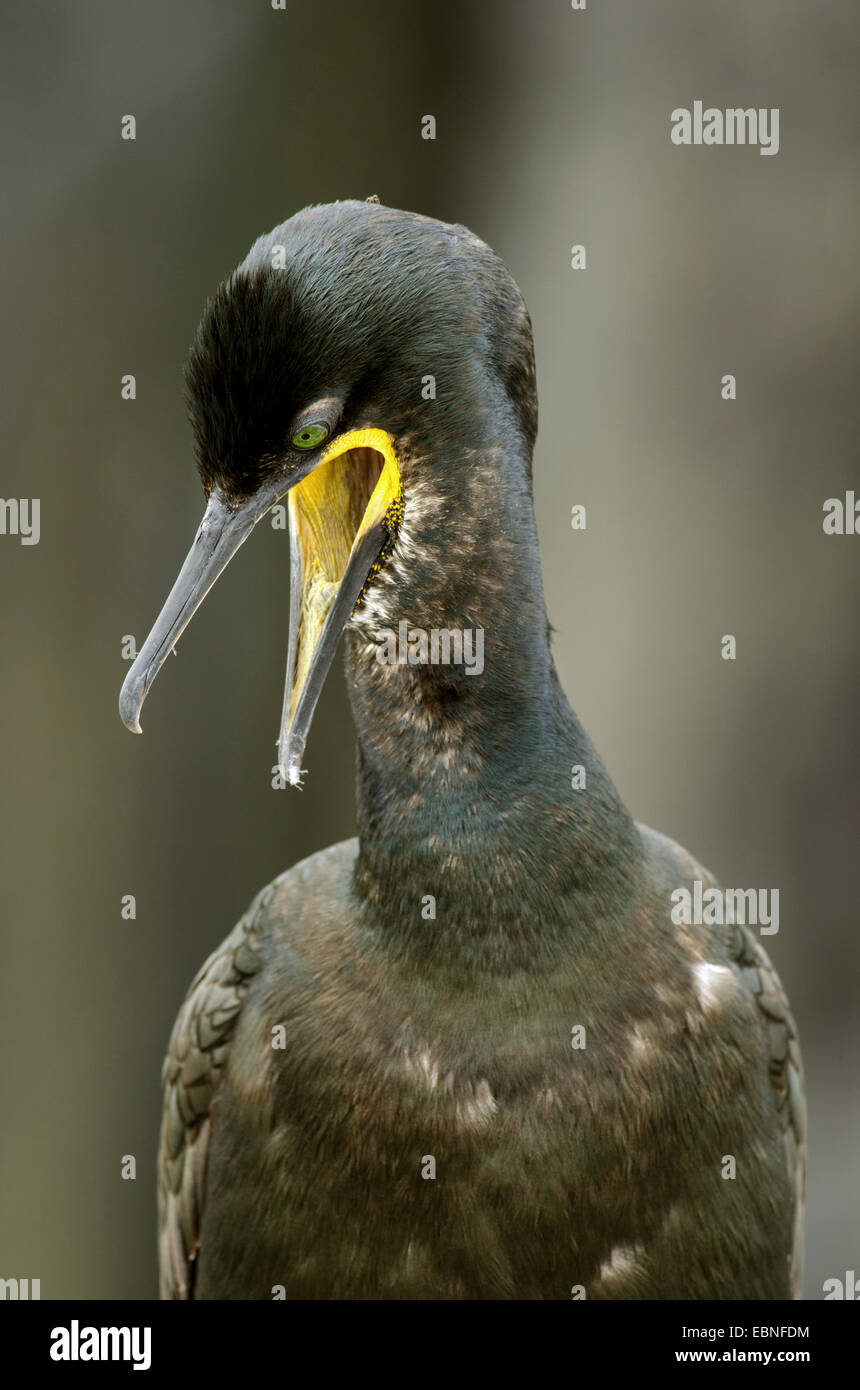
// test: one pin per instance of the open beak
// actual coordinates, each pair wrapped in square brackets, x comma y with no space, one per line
[343,508]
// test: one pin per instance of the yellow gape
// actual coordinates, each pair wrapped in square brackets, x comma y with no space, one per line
[355,486]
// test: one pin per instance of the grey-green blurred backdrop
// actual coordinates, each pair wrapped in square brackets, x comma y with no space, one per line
[704,517]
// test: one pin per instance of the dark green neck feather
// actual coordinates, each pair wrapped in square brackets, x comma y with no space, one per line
[464,781]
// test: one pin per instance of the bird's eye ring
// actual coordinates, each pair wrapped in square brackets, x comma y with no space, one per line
[310,436]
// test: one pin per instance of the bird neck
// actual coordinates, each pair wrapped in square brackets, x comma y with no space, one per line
[478,791]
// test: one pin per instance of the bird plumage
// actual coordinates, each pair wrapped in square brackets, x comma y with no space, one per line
[599,1168]
[403,1036]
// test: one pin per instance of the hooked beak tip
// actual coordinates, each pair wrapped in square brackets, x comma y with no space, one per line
[130,702]
[290,769]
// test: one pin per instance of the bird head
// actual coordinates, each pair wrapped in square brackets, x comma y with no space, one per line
[348,364]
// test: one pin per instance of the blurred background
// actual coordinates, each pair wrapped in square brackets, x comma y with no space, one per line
[704,516]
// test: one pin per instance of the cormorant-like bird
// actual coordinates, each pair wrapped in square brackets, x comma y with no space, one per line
[468,1054]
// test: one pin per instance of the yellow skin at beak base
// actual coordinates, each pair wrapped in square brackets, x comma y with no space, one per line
[324,522]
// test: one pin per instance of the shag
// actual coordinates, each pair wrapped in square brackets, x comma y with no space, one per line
[469,1054]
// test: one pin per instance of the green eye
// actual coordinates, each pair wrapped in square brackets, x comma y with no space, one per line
[309,436]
